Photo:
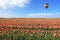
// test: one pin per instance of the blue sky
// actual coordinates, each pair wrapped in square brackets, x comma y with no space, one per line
[29,9]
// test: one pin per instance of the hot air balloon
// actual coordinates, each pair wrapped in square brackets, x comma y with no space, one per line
[46,5]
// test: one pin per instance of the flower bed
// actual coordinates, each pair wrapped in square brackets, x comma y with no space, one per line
[14,33]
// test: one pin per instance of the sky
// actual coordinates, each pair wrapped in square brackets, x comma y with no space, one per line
[29,9]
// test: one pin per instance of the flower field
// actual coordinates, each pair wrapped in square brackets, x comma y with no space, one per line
[29,29]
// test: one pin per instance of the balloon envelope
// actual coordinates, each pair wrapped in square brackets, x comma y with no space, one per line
[46,5]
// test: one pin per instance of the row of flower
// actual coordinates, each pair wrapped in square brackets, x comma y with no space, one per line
[31,35]
[16,33]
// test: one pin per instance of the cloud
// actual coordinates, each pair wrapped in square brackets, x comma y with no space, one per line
[4,15]
[32,15]
[12,3]
[7,15]
[43,15]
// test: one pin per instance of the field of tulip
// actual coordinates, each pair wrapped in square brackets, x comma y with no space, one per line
[28,29]
[14,33]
